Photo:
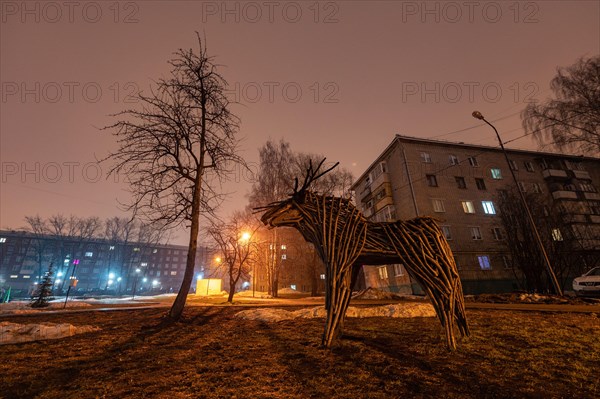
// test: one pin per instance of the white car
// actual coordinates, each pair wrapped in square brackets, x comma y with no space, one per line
[589,283]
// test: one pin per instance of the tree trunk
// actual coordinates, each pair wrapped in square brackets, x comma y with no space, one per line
[314,280]
[177,308]
[231,291]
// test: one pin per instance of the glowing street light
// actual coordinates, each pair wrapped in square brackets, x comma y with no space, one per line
[245,236]
[553,279]
[137,275]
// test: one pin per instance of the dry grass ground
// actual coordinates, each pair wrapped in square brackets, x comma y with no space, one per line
[210,354]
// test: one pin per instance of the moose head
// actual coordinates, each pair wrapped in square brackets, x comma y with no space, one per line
[289,212]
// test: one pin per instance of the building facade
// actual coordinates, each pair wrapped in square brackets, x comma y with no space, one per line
[460,185]
[98,266]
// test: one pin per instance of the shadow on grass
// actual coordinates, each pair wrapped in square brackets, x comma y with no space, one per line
[109,353]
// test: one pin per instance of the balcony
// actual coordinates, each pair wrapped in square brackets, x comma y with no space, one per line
[594,218]
[384,177]
[556,173]
[582,174]
[591,196]
[365,194]
[562,194]
[385,201]
[574,219]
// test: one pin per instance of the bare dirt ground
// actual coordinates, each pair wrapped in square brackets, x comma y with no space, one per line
[212,354]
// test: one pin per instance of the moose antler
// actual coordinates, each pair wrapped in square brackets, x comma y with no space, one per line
[312,175]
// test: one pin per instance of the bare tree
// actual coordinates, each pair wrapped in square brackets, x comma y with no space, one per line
[175,149]
[38,227]
[237,248]
[566,250]
[278,167]
[572,119]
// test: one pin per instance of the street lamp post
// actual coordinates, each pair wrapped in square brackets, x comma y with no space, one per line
[137,275]
[550,270]
[72,281]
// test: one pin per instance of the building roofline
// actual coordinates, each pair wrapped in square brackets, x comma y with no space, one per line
[399,138]
[94,240]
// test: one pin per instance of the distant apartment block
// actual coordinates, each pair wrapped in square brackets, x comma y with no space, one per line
[460,184]
[99,266]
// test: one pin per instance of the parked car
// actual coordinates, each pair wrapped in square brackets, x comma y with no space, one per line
[588,284]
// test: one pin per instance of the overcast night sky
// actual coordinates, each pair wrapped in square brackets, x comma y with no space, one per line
[337,78]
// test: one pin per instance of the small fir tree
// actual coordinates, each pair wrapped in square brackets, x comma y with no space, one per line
[44,290]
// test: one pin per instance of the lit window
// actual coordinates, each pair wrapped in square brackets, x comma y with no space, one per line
[468,206]
[513,165]
[488,207]
[89,254]
[2,240]
[154,250]
[13,276]
[431,180]
[283,247]
[293,286]
[438,205]
[557,235]
[283,257]
[480,184]
[111,248]
[496,173]
[322,277]
[453,160]
[426,157]
[383,274]
[460,182]
[26,276]
[143,264]
[173,273]
[497,232]
[447,232]
[529,166]
[475,233]
[484,262]
[136,249]
[473,161]
[398,270]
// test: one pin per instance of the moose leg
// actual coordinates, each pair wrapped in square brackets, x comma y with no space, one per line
[459,309]
[339,279]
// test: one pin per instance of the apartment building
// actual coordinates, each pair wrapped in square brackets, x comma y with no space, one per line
[98,266]
[460,184]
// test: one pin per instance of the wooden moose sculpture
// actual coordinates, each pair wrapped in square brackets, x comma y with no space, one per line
[345,240]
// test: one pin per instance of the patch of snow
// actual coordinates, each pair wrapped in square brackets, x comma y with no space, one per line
[257,294]
[396,310]
[12,333]
[288,290]
[22,307]
[374,293]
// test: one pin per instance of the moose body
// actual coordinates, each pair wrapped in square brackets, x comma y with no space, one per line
[345,241]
